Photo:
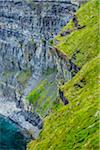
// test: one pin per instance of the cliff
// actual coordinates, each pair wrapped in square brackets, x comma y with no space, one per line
[75,126]
[26,28]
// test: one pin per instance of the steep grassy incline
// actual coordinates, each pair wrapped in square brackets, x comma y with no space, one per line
[76,125]
[81,44]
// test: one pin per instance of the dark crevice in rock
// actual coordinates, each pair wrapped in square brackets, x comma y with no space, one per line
[81,84]
[32,118]
[66,32]
[64,100]
[72,67]
[77,25]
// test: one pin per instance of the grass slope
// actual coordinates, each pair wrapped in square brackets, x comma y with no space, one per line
[76,126]
[83,42]
[43,97]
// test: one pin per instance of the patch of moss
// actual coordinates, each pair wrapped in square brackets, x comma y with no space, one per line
[51,42]
[8,74]
[49,71]
[34,95]
[32,42]
[23,76]
[43,96]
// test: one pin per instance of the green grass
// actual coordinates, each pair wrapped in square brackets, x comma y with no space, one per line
[43,96]
[84,40]
[76,126]
[34,95]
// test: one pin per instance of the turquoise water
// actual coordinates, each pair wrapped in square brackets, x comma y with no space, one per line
[11,137]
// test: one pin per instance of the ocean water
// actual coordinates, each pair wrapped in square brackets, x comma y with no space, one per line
[11,137]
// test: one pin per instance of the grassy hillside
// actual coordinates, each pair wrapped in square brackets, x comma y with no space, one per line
[76,125]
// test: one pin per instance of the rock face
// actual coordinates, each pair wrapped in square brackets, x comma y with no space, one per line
[26,28]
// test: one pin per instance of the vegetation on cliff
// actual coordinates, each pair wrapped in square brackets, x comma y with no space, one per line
[82,42]
[75,126]
[43,96]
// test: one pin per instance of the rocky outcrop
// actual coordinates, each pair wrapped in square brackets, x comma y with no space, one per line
[65,67]
[28,120]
